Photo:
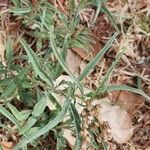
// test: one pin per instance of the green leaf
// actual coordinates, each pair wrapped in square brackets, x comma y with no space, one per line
[1,147]
[61,141]
[38,110]
[102,86]
[8,115]
[15,2]
[25,114]
[30,123]
[19,115]
[51,124]
[111,88]
[53,100]
[9,50]
[20,11]
[77,123]
[112,67]
[12,85]
[61,61]
[105,10]
[7,128]
[36,64]
[10,89]
[72,4]
[39,107]
[98,4]
[94,61]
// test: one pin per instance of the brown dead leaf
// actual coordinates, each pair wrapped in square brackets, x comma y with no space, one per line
[127,100]
[118,120]
[74,62]
[6,145]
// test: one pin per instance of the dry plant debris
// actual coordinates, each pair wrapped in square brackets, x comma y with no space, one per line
[108,120]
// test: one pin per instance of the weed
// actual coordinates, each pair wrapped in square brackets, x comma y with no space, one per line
[30,78]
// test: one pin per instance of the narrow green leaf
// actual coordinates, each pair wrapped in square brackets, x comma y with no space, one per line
[105,10]
[19,115]
[53,100]
[52,123]
[25,114]
[8,115]
[111,88]
[103,83]
[61,61]
[30,123]
[94,61]
[112,67]
[77,123]
[9,50]
[10,89]
[7,128]
[39,107]
[1,147]
[38,110]
[98,4]
[36,64]
[15,2]
[20,11]
[12,85]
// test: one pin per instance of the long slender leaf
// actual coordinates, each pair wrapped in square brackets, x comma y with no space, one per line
[60,59]
[12,86]
[103,83]
[9,50]
[20,11]
[77,123]
[10,89]
[111,88]
[45,129]
[36,64]
[20,116]
[38,110]
[8,115]
[105,10]
[94,61]
[30,123]
[98,9]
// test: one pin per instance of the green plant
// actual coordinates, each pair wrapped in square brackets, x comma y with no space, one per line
[41,64]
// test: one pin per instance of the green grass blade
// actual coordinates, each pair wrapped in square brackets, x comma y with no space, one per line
[60,59]
[36,64]
[105,10]
[52,123]
[94,61]
[111,88]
